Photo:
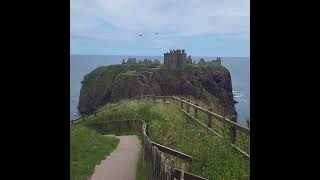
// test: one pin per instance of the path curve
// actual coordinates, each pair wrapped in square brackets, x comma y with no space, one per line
[122,162]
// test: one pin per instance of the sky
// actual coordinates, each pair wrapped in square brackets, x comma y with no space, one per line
[201,27]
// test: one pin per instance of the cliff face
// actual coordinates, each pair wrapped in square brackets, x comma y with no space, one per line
[210,84]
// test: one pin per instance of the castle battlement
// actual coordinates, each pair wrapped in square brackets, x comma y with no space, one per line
[176,59]
[145,61]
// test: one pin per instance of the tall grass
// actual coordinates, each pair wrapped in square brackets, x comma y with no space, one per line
[170,127]
[140,170]
[87,150]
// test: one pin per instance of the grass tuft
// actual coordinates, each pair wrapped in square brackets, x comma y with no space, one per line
[170,127]
[87,150]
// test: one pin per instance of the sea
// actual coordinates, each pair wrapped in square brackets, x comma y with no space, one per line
[239,68]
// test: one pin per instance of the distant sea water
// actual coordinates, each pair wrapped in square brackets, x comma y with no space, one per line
[239,68]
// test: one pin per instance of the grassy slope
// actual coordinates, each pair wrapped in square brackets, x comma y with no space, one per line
[218,68]
[170,127]
[87,150]
[99,81]
[102,76]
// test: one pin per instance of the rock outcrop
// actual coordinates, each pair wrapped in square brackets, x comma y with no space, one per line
[210,84]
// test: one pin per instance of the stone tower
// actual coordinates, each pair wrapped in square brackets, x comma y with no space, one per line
[175,59]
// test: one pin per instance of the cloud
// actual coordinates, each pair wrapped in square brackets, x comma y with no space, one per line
[185,17]
[121,20]
[163,44]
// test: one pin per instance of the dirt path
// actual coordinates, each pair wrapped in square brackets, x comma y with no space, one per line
[121,163]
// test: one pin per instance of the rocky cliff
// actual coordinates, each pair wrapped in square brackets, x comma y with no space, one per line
[210,84]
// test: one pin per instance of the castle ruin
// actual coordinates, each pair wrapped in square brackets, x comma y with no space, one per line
[214,62]
[176,59]
[145,61]
[132,61]
[217,61]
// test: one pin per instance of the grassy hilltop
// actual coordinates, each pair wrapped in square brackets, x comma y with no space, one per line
[170,127]
[210,84]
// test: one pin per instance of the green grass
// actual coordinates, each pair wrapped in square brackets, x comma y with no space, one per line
[242,139]
[87,150]
[140,170]
[170,127]
[100,81]
[101,78]
[104,75]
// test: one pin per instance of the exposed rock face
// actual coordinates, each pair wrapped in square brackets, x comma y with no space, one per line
[210,84]
[127,86]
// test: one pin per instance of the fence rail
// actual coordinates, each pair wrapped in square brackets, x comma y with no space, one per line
[156,165]
[98,111]
[116,127]
[219,117]
[233,125]
[172,151]
[186,175]
[211,130]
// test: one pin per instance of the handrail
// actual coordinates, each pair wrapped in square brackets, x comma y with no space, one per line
[211,130]
[172,151]
[167,171]
[100,110]
[156,164]
[219,117]
[233,125]
[187,175]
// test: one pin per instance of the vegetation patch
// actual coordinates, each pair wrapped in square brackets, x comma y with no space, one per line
[87,149]
[168,126]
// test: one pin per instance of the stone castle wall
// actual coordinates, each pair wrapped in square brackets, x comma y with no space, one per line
[175,59]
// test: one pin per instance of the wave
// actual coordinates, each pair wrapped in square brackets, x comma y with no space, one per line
[243,100]
[236,95]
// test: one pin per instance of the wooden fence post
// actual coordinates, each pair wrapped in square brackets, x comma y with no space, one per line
[182,171]
[147,127]
[181,103]
[188,106]
[233,131]
[209,118]
[196,111]
[164,100]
